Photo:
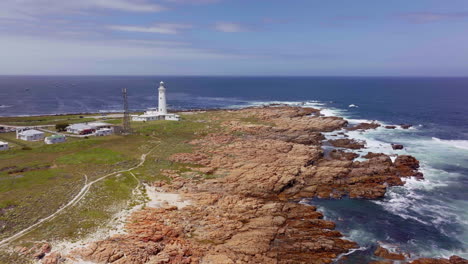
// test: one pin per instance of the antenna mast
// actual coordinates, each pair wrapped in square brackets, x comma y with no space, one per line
[126,118]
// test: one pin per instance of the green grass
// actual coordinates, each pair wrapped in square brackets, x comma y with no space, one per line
[27,179]
[95,156]
[36,194]
[44,120]
[105,199]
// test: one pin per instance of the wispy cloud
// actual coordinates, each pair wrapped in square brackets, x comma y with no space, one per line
[164,28]
[156,43]
[33,55]
[193,1]
[428,17]
[230,27]
[30,9]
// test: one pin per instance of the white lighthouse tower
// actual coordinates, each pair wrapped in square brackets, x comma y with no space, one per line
[160,113]
[162,99]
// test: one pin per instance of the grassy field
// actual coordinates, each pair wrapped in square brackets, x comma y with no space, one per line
[35,183]
[45,120]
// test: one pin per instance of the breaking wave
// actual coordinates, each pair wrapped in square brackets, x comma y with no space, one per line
[461,144]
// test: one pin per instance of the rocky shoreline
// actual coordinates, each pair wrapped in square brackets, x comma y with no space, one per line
[245,209]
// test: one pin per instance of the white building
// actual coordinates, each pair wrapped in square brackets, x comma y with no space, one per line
[30,135]
[104,132]
[54,139]
[99,125]
[160,113]
[3,145]
[80,129]
[87,128]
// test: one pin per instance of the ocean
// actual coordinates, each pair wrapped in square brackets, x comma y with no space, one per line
[427,218]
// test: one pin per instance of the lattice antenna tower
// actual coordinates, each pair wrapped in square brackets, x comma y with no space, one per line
[126,118]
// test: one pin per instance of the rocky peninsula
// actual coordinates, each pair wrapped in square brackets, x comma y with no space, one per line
[243,185]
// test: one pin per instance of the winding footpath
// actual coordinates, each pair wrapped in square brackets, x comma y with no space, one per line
[81,194]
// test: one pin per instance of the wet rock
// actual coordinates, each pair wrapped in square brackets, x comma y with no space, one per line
[452,260]
[405,126]
[397,146]
[364,126]
[347,143]
[407,166]
[390,127]
[386,254]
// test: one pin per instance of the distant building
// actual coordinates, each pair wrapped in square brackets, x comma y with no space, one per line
[3,146]
[30,135]
[104,132]
[80,129]
[87,128]
[99,125]
[54,139]
[160,113]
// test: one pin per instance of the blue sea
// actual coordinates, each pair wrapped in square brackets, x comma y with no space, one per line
[427,218]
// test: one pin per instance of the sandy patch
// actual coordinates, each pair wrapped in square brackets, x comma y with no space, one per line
[164,199]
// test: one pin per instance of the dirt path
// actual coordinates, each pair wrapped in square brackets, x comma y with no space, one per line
[84,190]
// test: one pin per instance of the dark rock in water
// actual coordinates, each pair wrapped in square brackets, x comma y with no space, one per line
[364,126]
[347,143]
[407,166]
[397,146]
[457,260]
[452,260]
[386,254]
[405,126]
[372,155]
[390,127]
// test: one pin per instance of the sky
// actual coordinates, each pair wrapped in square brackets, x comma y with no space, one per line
[234,37]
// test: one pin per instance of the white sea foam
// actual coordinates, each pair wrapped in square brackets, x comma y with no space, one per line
[414,200]
[460,144]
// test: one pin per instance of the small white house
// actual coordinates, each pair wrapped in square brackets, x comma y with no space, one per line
[55,139]
[30,135]
[104,132]
[3,145]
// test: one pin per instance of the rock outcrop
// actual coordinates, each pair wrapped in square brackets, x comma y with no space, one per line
[364,126]
[247,210]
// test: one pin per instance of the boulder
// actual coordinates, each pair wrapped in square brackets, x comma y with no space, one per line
[397,146]
[364,126]
[347,143]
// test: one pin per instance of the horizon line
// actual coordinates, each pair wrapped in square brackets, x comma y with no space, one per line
[244,76]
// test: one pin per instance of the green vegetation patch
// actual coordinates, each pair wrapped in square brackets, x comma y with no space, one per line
[71,144]
[94,156]
[44,120]
[105,199]
[28,179]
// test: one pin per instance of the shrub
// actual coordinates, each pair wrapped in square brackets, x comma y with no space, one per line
[61,127]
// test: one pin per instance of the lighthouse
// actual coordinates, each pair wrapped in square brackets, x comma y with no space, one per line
[160,113]
[162,99]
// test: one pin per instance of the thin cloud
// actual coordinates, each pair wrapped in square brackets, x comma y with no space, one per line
[31,9]
[428,17]
[193,1]
[165,28]
[229,27]
[163,43]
